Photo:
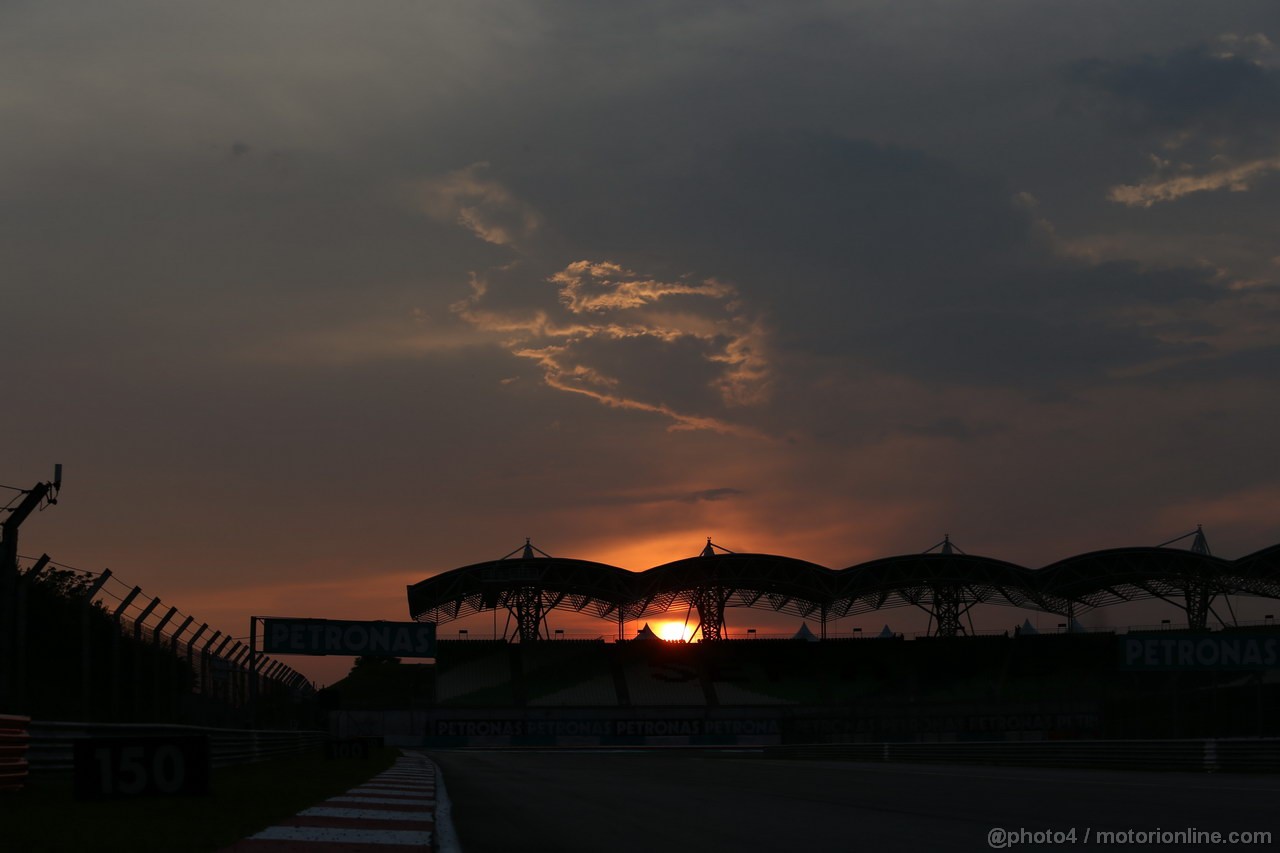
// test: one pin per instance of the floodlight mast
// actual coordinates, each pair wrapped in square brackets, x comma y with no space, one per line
[42,494]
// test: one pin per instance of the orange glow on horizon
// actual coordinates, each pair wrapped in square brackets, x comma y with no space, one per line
[643,554]
[835,537]
[673,631]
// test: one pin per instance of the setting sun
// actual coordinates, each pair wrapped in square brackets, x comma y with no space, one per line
[674,631]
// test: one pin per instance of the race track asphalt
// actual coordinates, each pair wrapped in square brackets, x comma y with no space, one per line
[689,800]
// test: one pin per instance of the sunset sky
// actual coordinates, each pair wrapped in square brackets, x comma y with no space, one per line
[315,300]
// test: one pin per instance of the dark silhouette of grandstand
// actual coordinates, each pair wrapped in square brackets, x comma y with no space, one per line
[944,581]
[992,687]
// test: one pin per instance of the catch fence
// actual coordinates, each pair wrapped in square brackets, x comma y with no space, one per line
[91,647]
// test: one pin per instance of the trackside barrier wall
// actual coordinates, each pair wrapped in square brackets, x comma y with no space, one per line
[14,739]
[704,725]
[582,727]
[1227,755]
[53,744]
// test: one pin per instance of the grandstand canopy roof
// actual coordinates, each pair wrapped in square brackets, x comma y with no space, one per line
[801,588]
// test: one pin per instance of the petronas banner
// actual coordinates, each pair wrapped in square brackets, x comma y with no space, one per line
[334,637]
[1200,651]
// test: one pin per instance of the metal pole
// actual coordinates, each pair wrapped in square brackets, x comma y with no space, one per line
[206,663]
[86,648]
[9,687]
[128,599]
[155,635]
[20,630]
[173,641]
[34,571]
[20,645]
[137,626]
[253,672]
[8,610]
[168,664]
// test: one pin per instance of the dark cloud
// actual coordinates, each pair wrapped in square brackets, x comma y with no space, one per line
[796,201]
[1252,364]
[886,256]
[1203,90]
[1030,352]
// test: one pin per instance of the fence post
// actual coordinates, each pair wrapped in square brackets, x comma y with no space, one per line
[20,632]
[115,674]
[253,672]
[20,644]
[115,652]
[86,648]
[177,663]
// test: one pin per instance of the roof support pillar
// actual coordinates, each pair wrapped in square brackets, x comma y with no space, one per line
[710,601]
[1199,596]
[525,604]
[946,610]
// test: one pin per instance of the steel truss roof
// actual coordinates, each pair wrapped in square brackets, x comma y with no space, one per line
[800,588]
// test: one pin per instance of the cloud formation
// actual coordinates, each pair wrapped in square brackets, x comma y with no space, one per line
[589,322]
[1225,87]
[587,287]
[600,302]
[1215,105]
[1171,183]
[471,198]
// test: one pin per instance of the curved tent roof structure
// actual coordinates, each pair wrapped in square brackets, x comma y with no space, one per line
[946,584]
[528,587]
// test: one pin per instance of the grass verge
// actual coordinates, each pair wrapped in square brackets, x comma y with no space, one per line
[244,799]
